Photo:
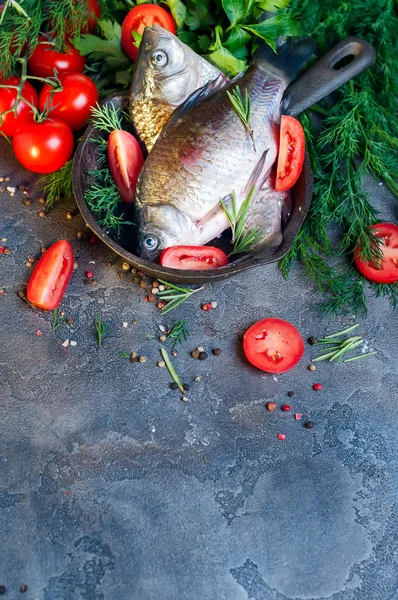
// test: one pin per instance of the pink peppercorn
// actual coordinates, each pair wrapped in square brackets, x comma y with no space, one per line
[318,387]
[298,416]
[89,274]
[39,333]
[207,306]
[281,436]
[286,408]
[2,249]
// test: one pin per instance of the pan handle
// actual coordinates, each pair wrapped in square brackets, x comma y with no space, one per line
[326,75]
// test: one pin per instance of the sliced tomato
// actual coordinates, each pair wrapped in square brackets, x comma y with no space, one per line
[291,153]
[193,258]
[10,123]
[387,270]
[139,17]
[125,162]
[45,59]
[273,345]
[48,282]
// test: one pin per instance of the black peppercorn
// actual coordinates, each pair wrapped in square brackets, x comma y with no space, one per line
[186,387]
[216,351]
[309,425]
[2,590]
[312,340]
[290,394]
[174,386]
[23,588]
[203,355]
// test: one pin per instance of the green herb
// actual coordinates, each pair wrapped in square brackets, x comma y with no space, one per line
[124,355]
[59,319]
[243,241]
[58,185]
[333,347]
[179,333]
[106,118]
[171,369]
[150,337]
[175,296]
[242,109]
[101,329]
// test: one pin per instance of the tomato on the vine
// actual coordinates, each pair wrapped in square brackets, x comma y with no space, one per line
[385,271]
[45,59]
[194,258]
[51,275]
[9,123]
[73,103]
[139,17]
[43,147]
[291,153]
[125,162]
[273,345]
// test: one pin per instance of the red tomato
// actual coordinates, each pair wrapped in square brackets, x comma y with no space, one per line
[139,17]
[291,153]
[48,282]
[125,162]
[43,147]
[44,59]
[73,104]
[387,270]
[10,123]
[194,258]
[273,345]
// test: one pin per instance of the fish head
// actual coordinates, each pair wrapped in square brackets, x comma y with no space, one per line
[160,227]
[167,70]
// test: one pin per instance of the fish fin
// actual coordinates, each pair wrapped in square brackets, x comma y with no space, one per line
[196,97]
[256,173]
[289,59]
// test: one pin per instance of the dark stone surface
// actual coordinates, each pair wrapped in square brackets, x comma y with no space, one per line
[111,487]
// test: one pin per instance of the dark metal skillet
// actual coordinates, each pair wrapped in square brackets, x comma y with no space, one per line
[346,60]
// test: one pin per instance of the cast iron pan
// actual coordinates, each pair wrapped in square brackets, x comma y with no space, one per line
[346,60]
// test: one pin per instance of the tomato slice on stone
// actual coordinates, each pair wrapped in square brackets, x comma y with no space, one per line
[385,271]
[193,258]
[125,162]
[48,282]
[273,345]
[291,153]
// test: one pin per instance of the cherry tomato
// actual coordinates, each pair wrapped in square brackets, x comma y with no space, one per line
[125,162]
[139,17]
[43,147]
[273,345]
[10,123]
[194,258]
[73,104]
[387,270]
[44,59]
[291,153]
[51,275]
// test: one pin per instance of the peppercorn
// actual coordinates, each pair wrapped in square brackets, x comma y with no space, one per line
[312,368]
[207,307]
[142,359]
[200,349]
[42,200]
[312,340]
[27,201]
[23,588]
[3,590]
[90,274]
[173,385]
[308,424]
[174,352]
[290,394]
[79,235]
[161,364]
[151,298]
[197,378]
[271,406]
[125,266]
[155,284]
[281,436]
[186,387]
[43,249]
[161,305]
[162,338]
[108,263]
[195,354]
[122,275]
[203,355]
[69,215]
[286,408]
[42,214]
[216,351]
[142,284]
[70,321]
[318,387]
[134,359]
[7,251]
[184,399]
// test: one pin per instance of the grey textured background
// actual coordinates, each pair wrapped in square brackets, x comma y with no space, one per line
[112,488]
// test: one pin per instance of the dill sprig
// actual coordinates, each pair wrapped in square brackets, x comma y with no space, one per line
[179,333]
[59,319]
[242,241]
[101,329]
[172,370]
[242,109]
[124,355]
[106,118]
[58,185]
[174,296]
[333,347]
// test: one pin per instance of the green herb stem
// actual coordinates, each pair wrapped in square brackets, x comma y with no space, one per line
[171,369]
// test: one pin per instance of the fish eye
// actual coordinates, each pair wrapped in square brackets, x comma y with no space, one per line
[149,242]
[159,58]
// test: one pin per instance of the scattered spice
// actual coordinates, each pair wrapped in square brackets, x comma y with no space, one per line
[318,387]
[290,394]
[31,259]
[42,200]
[197,378]
[195,354]
[69,215]
[65,344]
[312,340]
[28,264]
[89,274]
[39,332]
[216,351]
[27,201]
[23,588]
[308,424]
[7,251]
[173,385]
[298,416]
[200,349]
[125,324]
[186,387]
[162,338]
[73,343]
[286,407]
[125,266]
[155,284]
[271,406]
[281,436]
[3,590]
[2,249]
[207,307]
[174,352]
[184,399]
[42,214]
[161,364]
[203,355]
[151,298]
[142,359]
[312,368]
[80,235]
[162,328]
[154,291]
[43,249]
[214,304]
[161,305]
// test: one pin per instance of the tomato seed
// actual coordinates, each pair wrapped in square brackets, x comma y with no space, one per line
[318,387]
[286,407]
[281,436]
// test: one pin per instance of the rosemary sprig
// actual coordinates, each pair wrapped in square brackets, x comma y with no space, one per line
[59,319]
[124,355]
[57,185]
[175,295]
[101,329]
[243,242]
[106,118]
[172,370]
[179,333]
[333,347]
[242,109]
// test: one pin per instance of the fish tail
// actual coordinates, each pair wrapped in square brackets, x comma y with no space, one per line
[289,59]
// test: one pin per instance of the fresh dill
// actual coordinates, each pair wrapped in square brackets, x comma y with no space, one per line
[106,118]
[179,333]
[101,329]
[242,241]
[124,355]
[58,185]
[174,296]
[242,109]
[172,370]
[59,319]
